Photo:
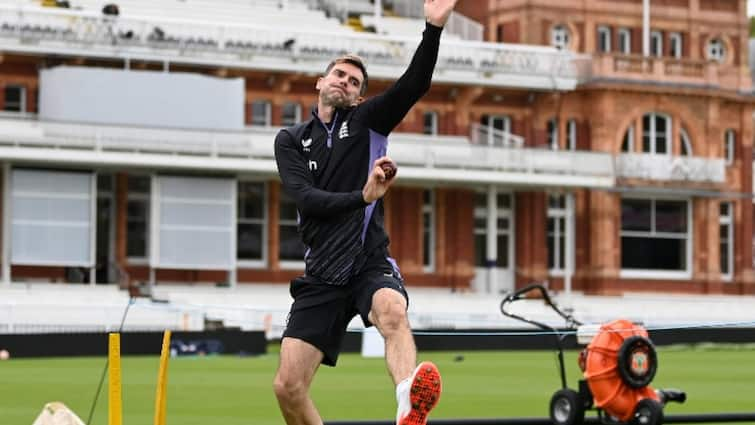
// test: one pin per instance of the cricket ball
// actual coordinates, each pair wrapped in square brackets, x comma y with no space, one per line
[389,169]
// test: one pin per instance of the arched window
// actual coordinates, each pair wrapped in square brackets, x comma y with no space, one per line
[571,134]
[430,120]
[676,40]
[604,39]
[656,133]
[656,136]
[656,43]
[730,140]
[552,131]
[716,50]
[560,37]
[625,40]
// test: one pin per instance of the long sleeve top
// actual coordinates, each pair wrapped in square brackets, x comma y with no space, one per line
[324,166]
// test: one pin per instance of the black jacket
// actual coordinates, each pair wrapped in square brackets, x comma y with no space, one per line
[324,168]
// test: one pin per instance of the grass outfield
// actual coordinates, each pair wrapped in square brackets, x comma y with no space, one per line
[232,390]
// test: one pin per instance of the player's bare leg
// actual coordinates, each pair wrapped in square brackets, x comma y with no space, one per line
[417,388]
[299,361]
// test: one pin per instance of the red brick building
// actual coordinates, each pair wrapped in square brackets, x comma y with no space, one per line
[564,154]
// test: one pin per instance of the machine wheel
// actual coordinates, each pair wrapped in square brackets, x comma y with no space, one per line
[648,412]
[637,361]
[567,408]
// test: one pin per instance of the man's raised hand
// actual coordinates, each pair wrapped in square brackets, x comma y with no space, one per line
[438,11]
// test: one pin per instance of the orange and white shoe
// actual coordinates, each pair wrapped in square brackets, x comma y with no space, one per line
[419,397]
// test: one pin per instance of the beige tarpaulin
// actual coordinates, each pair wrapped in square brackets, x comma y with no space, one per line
[56,413]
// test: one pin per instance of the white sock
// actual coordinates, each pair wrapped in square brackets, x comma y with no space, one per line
[402,387]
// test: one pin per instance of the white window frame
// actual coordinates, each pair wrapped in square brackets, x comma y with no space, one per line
[433,130]
[24,185]
[109,196]
[689,237]
[625,40]
[162,224]
[559,214]
[428,230]
[656,43]
[267,117]
[297,114]
[147,197]
[552,134]
[726,224]
[21,98]
[287,264]
[560,37]
[730,143]
[505,122]
[571,134]
[604,39]
[491,225]
[716,50]
[493,133]
[653,134]
[676,46]
[264,221]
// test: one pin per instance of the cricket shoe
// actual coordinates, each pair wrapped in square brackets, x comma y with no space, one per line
[419,397]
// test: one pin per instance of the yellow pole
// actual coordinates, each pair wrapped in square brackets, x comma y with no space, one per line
[162,381]
[115,405]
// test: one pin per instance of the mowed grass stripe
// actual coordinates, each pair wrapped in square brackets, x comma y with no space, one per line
[238,390]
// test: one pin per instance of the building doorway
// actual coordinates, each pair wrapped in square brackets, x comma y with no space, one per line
[494,241]
[105,229]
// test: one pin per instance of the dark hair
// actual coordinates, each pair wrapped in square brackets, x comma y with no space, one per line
[353,60]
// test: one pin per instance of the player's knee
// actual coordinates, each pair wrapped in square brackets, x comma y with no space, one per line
[392,318]
[288,390]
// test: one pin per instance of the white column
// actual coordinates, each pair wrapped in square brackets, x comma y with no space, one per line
[154,228]
[570,247]
[6,223]
[492,240]
[646,28]
[92,228]
[232,278]
[233,272]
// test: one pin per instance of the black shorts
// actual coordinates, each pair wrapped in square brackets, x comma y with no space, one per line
[320,313]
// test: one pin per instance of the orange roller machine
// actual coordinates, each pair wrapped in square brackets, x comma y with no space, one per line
[618,365]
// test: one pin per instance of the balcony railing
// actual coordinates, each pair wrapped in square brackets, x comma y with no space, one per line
[529,161]
[293,49]
[668,70]
[670,168]
[484,157]
[257,143]
[420,157]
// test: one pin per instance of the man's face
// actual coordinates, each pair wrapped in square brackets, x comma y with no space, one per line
[341,86]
